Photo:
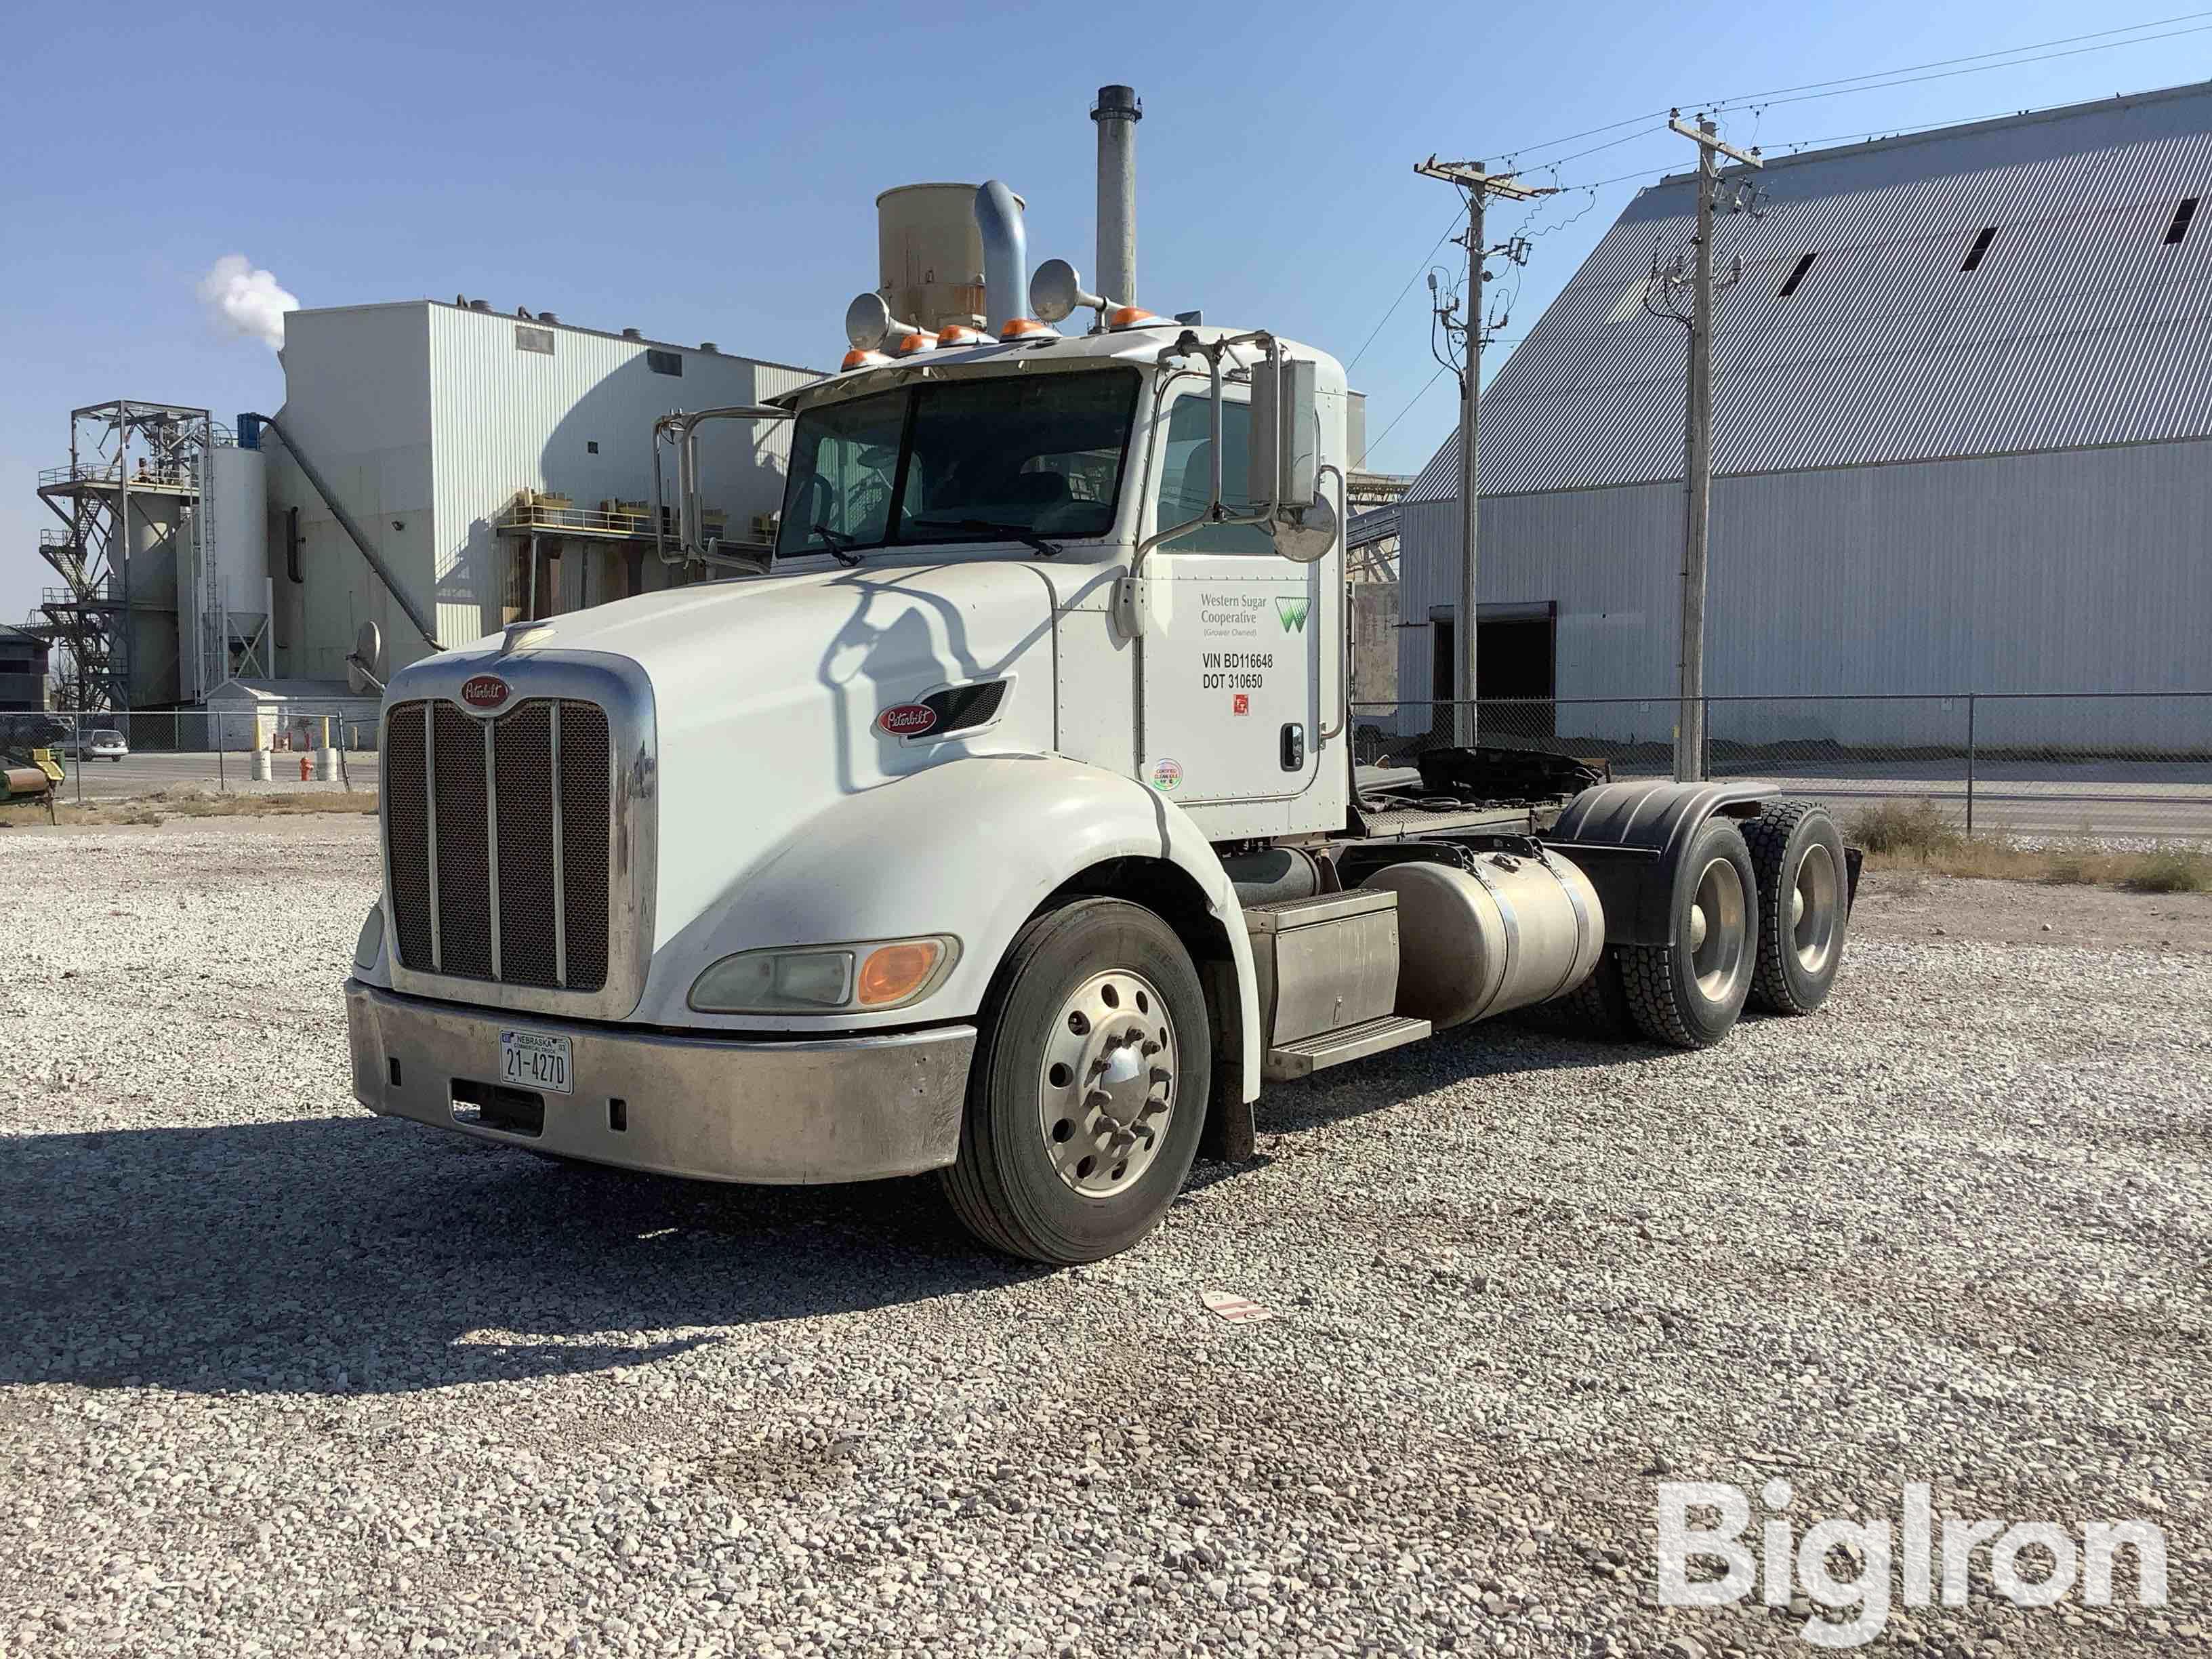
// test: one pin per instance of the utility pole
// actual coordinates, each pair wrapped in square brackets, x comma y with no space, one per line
[1698,460]
[1480,185]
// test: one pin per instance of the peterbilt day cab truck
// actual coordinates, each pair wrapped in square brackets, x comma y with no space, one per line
[1007,825]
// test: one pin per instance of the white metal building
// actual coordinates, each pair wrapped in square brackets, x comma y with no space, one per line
[1963,436]
[500,463]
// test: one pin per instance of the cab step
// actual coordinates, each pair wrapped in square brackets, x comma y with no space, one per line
[1293,1060]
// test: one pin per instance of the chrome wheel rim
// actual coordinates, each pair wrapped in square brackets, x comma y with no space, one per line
[1106,1092]
[1716,929]
[1814,910]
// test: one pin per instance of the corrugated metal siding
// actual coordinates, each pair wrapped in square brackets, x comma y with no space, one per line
[505,419]
[2080,327]
[2078,571]
[357,400]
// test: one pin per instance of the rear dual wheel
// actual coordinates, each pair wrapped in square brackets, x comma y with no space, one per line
[1688,992]
[1089,1087]
[1804,905]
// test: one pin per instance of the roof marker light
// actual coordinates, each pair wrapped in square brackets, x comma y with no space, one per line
[910,345]
[1126,317]
[857,358]
[1028,328]
[959,334]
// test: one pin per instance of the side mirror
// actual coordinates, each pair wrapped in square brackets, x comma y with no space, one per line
[1285,458]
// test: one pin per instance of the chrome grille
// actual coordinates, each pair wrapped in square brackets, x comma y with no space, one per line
[498,842]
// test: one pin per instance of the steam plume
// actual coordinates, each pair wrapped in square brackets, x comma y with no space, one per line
[247,300]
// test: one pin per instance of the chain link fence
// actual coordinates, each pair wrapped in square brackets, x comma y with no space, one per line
[2116,767]
[117,758]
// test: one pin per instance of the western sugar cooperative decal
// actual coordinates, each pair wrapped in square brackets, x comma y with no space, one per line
[1167,776]
[1293,614]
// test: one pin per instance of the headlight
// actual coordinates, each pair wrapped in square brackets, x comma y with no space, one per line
[823,979]
[370,945]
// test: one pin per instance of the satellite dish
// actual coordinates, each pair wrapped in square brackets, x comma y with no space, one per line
[1057,289]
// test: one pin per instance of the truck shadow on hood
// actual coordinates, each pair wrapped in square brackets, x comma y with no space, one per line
[352,1255]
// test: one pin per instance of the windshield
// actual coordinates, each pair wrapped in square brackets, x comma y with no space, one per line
[1036,455]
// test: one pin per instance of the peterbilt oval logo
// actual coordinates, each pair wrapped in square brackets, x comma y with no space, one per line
[907,720]
[484,691]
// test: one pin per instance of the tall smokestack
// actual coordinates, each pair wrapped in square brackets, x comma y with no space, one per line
[1117,112]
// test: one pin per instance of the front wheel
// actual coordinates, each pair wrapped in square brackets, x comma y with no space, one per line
[1089,1087]
[1689,993]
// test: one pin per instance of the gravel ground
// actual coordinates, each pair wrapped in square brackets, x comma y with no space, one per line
[277,1377]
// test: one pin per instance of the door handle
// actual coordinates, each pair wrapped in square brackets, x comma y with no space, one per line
[1294,747]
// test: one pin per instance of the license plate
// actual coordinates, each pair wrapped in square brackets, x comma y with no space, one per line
[533,1059]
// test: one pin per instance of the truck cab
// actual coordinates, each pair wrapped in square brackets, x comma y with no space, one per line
[1007,824]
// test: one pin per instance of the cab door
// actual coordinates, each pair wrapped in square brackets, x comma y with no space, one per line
[1234,649]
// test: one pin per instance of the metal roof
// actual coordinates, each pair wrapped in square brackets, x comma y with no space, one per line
[2081,325]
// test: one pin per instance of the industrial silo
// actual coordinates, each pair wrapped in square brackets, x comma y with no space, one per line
[929,254]
[222,620]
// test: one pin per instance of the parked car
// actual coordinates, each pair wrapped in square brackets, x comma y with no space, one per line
[104,743]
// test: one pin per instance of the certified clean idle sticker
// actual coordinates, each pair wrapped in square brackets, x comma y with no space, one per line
[1167,775]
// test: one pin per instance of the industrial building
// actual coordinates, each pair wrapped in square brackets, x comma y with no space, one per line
[500,465]
[1962,441]
[22,670]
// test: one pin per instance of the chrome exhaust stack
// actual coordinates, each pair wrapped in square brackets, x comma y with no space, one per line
[1006,265]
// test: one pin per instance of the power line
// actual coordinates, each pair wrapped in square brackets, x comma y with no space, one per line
[1375,442]
[1978,69]
[1450,225]
[1716,105]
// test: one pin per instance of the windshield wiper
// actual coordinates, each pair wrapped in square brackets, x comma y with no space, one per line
[839,544]
[1019,533]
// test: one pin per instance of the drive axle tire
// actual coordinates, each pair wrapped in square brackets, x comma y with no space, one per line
[1598,1007]
[1804,908]
[1689,993]
[1089,1088]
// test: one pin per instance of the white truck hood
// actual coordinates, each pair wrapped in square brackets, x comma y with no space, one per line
[767,693]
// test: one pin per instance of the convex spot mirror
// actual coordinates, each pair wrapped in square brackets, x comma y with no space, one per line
[1304,535]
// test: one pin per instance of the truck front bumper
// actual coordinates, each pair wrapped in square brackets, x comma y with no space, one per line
[804,1111]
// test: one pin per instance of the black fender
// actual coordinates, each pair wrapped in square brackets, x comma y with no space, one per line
[1630,839]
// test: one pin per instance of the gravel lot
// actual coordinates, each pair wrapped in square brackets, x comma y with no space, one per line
[277,1377]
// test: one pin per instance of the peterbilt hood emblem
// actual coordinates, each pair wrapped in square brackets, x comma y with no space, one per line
[484,691]
[907,720]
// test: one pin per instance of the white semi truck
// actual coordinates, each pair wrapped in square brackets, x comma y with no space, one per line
[1008,824]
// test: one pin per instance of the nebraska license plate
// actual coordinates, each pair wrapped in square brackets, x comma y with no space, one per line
[534,1060]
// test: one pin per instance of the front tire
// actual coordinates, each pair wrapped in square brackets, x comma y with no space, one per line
[1804,906]
[1689,993]
[1089,1088]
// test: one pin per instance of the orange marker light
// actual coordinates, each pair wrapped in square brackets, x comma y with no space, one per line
[1028,328]
[893,973]
[1129,317]
[959,334]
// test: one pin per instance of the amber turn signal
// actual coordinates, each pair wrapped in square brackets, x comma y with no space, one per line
[892,973]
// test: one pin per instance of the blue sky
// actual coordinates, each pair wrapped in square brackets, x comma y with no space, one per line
[708,172]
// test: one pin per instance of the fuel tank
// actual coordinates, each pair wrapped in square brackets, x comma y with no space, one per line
[1511,931]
